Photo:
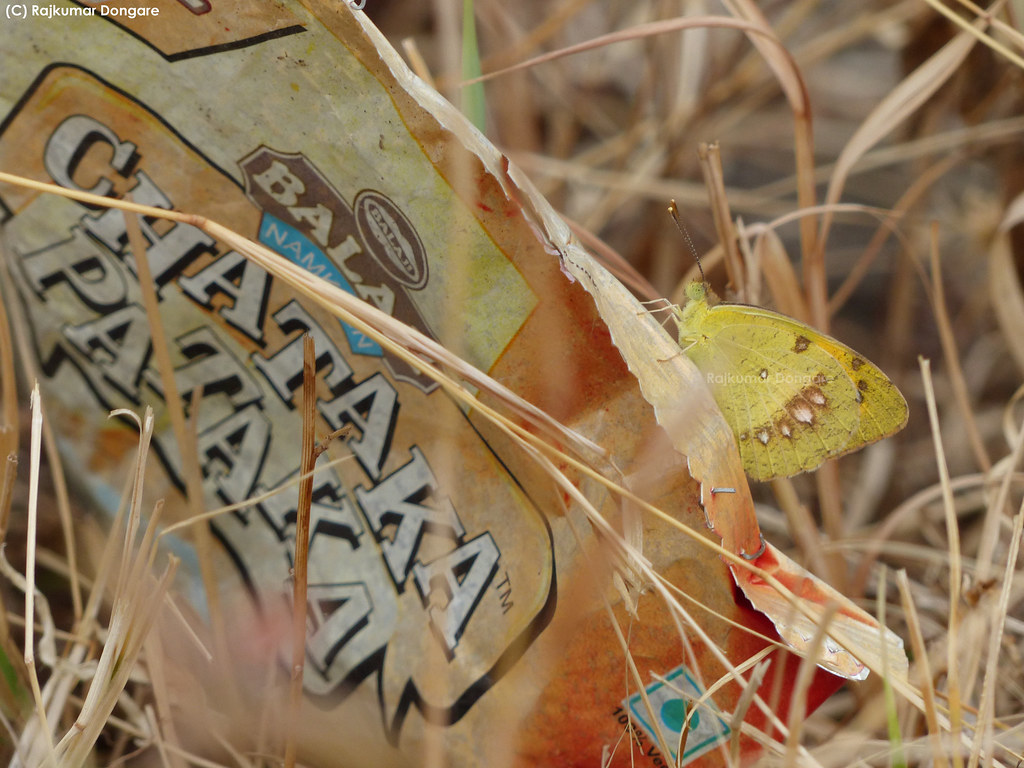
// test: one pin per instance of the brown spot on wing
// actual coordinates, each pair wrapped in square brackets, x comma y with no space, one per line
[802,413]
[805,405]
[802,408]
[802,344]
[784,426]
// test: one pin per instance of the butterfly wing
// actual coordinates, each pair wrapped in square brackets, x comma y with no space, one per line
[883,409]
[790,402]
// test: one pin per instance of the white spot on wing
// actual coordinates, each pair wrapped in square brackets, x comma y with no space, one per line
[803,414]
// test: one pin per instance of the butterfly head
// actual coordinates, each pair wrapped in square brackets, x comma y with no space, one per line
[697,291]
[690,317]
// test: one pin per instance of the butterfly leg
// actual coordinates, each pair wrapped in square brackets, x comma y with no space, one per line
[682,351]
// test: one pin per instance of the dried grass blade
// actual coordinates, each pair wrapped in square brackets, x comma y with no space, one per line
[786,71]
[955,575]
[714,180]
[923,668]
[162,728]
[7,494]
[138,598]
[1006,296]
[987,16]
[997,510]
[120,653]
[891,715]
[954,368]
[900,103]
[984,741]
[908,200]
[802,684]
[57,691]
[300,568]
[640,31]
[779,275]
[739,714]
[22,342]
[30,572]
[8,383]
[201,536]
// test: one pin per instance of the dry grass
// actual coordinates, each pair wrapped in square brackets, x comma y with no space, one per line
[865,179]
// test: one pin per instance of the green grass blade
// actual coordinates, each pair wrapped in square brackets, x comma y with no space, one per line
[473,105]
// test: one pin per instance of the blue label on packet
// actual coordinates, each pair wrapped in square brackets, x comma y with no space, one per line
[670,701]
[284,239]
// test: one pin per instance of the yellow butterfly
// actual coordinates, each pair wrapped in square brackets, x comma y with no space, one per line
[793,397]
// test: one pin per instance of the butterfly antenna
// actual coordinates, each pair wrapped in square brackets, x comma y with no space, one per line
[673,211]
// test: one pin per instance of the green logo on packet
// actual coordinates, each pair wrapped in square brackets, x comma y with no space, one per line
[670,701]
